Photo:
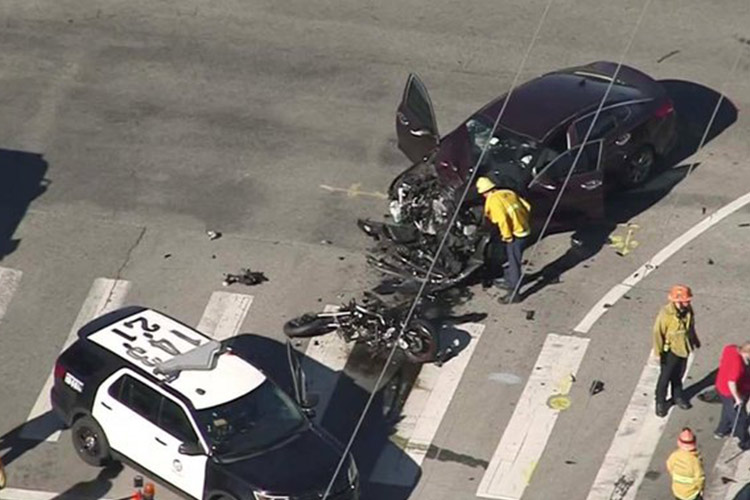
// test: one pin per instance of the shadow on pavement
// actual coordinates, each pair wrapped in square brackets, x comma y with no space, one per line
[348,398]
[16,445]
[94,488]
[343,396]
[697,388]
[695,106]
[21,181]
[744,493]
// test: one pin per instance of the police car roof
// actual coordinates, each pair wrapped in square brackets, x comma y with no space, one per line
[145,338]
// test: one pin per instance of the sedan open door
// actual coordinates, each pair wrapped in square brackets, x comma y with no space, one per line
[416,127]
[583,197]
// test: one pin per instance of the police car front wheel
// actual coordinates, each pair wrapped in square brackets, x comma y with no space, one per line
[90,442]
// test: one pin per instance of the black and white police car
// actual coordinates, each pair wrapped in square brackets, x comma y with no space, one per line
[141,387]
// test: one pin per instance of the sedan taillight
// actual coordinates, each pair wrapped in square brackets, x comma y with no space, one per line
[665,109]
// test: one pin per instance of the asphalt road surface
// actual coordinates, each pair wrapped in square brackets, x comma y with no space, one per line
[129,129]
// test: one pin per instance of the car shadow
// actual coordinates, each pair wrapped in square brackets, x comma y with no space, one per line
[343,396]
[696,107]
[21,182]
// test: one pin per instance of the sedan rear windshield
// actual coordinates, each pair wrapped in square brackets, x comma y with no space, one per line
[252,423]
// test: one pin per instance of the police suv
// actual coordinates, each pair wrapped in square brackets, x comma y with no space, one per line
[142,387]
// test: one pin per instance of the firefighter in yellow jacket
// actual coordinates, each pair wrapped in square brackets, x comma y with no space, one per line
[685,465]
[504,208]
[674,338]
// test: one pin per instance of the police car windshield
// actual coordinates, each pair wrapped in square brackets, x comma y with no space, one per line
[258,420]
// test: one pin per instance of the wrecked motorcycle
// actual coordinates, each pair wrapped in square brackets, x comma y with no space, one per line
[374,324]
[421,210]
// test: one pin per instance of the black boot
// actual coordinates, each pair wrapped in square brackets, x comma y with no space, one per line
[683,404]
[661,409]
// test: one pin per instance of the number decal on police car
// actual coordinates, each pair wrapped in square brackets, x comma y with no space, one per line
[147,329]
[144,324]
[184,337]
[139,353]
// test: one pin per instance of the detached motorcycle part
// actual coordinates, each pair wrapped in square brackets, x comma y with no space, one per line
[419,342]
[309,325]
[393,232]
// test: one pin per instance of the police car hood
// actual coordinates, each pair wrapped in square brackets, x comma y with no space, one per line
[303,464]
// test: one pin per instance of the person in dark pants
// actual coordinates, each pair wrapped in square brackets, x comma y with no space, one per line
[733,387]
[511,213]
[674,338]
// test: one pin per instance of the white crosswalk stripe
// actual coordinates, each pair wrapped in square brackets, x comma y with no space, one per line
[224,314]
[635,441]
[422,413]
[533,419]
[105,295]
[731,472]
[325,359]
[9,281]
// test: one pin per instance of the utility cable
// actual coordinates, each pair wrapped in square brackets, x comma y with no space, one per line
[581,147]
[420,292]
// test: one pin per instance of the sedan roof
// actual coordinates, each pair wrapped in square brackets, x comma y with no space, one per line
[537,107]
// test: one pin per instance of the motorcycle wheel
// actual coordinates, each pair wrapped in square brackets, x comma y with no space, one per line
[422,342]
[308,325]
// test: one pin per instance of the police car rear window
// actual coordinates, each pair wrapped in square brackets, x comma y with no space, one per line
[137,396]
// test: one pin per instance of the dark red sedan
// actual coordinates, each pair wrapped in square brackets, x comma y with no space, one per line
[541,135]
[543,127]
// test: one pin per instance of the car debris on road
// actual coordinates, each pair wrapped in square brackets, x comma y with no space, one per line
[246,277]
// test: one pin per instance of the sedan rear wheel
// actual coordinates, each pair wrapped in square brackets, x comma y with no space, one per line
[639,167]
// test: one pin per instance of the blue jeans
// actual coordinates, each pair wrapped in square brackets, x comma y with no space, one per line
[728,414]
[514,254]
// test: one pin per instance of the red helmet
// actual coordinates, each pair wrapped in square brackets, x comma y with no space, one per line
[686,439]
[680,293]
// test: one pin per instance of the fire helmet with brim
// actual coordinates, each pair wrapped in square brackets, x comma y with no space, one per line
[484,184]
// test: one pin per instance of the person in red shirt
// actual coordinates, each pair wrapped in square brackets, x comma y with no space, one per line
[733,386]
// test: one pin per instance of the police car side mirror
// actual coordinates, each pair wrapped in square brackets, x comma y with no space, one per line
[190,449]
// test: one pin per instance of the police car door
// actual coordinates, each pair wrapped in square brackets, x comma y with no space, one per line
[184,448]
[128,408]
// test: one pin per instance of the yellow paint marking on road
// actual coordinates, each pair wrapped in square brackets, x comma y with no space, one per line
[354,190]
[624,244]
[529,472]
[561,401]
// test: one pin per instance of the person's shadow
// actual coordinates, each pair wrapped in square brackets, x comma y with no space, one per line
[16,444]
[21,181]
[695,106]
[93,488]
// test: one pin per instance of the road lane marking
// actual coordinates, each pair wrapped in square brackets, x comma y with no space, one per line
[105,295]
[421,415]
[731,464]
[635,441]
[626,457]
[325,359]
[9,281]
[353,191]
[657,260]
[531,424]
[224,314]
